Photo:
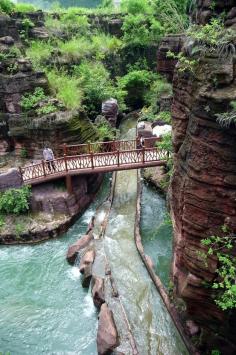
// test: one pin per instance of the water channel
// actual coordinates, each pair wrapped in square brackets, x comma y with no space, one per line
[45,310]
[152,326]
[43,307]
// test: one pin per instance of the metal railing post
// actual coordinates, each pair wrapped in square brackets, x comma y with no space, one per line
[64,148]
[65,159]
[118,157]
[44,170]
[21,174]
[143,155]
[92,162]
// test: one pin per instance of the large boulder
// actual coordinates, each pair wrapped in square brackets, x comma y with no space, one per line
[98,291]
[110,111]
[85,266]
[107,336]
[76,247]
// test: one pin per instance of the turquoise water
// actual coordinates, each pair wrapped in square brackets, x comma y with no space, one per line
[156,232]
[43,307]
[46,4]
[152,326]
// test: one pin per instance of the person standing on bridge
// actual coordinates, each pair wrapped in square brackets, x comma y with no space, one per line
[142,142]
[49,157]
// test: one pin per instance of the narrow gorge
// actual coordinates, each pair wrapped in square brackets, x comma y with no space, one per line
[118,177]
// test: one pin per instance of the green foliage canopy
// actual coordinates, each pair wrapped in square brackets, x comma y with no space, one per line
[15,201]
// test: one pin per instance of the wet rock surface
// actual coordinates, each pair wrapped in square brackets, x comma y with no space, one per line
[98,291]
[75,248]
[107,336]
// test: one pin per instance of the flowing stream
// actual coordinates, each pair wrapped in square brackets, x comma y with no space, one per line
[43,307]
[156,232]
[152,326]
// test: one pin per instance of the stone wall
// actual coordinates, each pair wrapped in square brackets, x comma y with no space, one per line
[203,190]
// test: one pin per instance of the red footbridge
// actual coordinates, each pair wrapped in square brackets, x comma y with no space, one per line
[96,158]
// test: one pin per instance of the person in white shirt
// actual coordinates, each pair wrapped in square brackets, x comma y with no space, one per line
[49,157]
[142,142]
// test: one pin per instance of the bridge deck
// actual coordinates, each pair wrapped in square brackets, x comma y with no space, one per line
[93,163]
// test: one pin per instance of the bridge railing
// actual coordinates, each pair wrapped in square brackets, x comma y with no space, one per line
[85,162]
[110,146]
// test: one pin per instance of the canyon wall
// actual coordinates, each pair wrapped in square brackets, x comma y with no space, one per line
[29,133]
[206,9]
[203,188]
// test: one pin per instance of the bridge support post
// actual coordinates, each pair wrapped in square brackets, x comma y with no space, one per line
[69,186]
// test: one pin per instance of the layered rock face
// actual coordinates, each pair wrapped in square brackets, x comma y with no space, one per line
[206,9]
[165,65]
[30,133]
[203,188]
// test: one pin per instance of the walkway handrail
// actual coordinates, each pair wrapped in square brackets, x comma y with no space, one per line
[109,146]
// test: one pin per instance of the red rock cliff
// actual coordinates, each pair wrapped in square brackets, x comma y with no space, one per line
[203,189]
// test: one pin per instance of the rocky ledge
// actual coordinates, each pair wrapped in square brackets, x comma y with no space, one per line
[52,210]
[88,254]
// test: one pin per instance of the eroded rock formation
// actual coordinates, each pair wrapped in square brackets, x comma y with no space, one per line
[203,189]
[206,9]
[107,337]
[165,64]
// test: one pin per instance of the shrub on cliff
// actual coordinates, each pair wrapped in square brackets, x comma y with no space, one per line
[66,88]
[70,23]
[97,86]
[136,83]
[15,201]
[6,6]
[223,247]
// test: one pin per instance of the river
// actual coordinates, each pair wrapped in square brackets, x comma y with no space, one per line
[156,232]
[43,307]
[152,326]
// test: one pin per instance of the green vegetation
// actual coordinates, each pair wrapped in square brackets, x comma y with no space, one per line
[226,118]
[105,131]
[224,282]
[136,83]
[39,53]
[23,153]
[69,23]
[15,201]
[212,38]
[66,88]
[19,229]
[29,101]
[2,221]
[6,6]
[23,7]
